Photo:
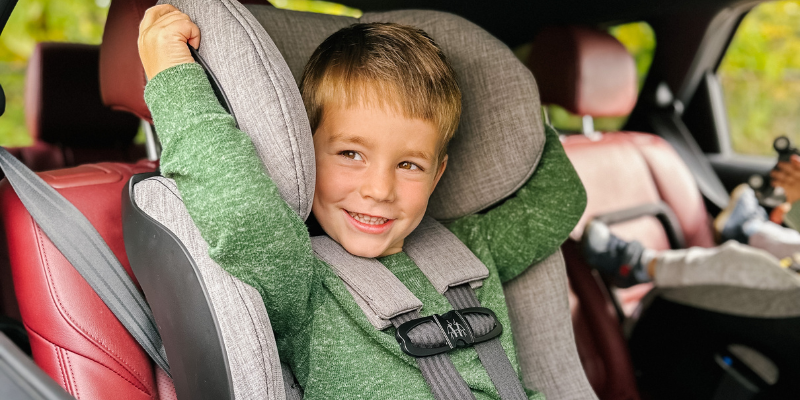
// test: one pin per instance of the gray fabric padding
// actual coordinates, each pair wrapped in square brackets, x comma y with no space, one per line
[375,289]
[379,293]
[734,300]
[731,264]
[426,245]
[263,95]
[501,137]
[293,389]
[246,330]
[538,308]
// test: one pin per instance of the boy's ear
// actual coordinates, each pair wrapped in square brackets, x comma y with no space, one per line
[439,172]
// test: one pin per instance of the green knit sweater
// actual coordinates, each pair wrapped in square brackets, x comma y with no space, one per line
[320,330]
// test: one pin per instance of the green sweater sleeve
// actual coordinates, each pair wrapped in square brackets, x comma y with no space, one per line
[536,221]
[251,232]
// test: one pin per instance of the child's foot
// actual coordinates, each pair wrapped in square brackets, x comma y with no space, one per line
[625,261]
[741,218]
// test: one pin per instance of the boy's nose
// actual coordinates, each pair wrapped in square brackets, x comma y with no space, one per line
[379,184]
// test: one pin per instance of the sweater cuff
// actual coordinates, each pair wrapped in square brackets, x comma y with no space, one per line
[178,93]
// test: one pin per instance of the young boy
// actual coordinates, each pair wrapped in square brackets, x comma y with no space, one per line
[383,103]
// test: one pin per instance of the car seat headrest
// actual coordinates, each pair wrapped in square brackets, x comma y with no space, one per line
[122,77]
[584,70]
[62,99]
[500,138]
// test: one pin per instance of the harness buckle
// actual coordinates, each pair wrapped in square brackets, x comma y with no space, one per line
[454,328]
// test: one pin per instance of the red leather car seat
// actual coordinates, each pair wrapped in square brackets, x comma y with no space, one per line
[74,337]
[589,73]
[64,113]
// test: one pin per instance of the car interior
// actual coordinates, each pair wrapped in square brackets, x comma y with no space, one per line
[660,178]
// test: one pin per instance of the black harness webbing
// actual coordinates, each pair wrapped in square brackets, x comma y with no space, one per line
[81,244]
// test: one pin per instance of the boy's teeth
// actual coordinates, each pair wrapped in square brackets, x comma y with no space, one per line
[366,219]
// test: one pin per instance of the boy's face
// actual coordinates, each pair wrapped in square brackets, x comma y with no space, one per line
[376,170]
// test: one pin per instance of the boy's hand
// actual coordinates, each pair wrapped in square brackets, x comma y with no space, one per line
[163,34]
[787,176]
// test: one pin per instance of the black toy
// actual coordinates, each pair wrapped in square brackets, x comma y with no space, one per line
[768,195]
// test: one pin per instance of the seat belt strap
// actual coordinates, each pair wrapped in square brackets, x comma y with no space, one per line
[81,244]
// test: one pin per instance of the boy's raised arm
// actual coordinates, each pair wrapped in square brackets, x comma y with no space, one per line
[251,232]
[533,223]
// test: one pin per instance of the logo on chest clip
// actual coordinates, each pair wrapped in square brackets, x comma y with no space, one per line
[455,330]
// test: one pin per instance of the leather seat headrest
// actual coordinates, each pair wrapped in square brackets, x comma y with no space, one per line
[584,70]
[122,77]
[62,99]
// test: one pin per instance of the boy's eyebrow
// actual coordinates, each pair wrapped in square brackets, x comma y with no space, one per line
[420,154]
[348,139]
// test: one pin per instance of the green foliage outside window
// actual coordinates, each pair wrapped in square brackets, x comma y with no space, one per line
[760,77]
[78,21]
[35,21]
[639,39]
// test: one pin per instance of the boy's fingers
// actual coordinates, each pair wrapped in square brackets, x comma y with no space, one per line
[154,13]
[180,23]
[795,160]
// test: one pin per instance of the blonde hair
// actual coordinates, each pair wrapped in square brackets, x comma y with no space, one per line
[388,64]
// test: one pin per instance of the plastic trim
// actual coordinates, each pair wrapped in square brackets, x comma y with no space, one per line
[175,290]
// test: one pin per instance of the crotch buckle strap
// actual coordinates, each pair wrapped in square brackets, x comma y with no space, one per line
[453,326]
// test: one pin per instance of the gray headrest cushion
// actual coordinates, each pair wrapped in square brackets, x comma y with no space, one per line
[500,139]
[262,94]
[495,150]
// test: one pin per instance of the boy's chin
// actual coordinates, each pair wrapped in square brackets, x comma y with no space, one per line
[364,249]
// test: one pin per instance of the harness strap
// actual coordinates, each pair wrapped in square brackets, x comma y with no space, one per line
[491,353]
[386,301]
[438,370]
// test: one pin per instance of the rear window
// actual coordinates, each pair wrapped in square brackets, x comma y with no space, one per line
[760,78]
[32,21]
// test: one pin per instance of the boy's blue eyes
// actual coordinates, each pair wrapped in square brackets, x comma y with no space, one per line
[356,156]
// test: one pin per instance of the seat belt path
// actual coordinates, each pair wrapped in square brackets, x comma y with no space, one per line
[81,244]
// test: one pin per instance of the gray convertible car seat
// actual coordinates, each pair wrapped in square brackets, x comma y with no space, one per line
[215,328]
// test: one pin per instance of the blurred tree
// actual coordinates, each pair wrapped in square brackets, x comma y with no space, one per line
[35,21]
[760,77]
[79,21]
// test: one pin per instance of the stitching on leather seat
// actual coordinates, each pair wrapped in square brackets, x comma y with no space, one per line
[143,390]
[74,383]
[64,313]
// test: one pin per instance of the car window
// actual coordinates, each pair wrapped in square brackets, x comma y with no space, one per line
[639,39]
[76,21]
[32,21]
[760,78]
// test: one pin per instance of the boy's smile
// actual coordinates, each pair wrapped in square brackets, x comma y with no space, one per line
[376,170]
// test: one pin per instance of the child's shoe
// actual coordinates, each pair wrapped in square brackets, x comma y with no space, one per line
[741,218]
[625,261]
